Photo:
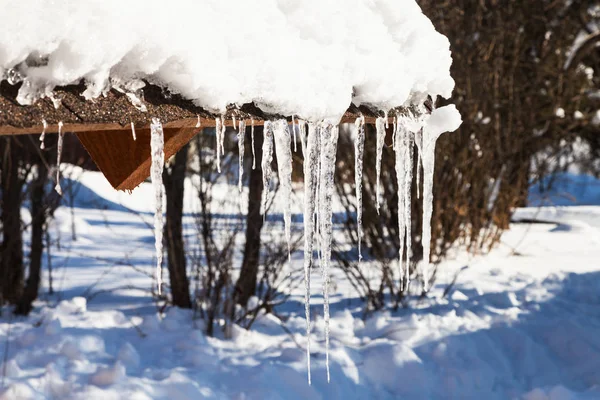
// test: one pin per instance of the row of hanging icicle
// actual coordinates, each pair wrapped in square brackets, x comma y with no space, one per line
[319,146]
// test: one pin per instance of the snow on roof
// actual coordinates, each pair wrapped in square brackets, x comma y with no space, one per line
[312,58]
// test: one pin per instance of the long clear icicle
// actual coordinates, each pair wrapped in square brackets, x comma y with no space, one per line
[218,131]
[329,139]
[380,128]
[311,167]
[61,136]
[157,142]
[241,148]
[253,151]
[43,135]
[419,143]
[359,152]
[294,130]
[283,150]
[400,152]
[408,178]
[267,159]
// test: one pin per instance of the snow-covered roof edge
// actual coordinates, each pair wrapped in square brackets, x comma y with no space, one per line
[312,59]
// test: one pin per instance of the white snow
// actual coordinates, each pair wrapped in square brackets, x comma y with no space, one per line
[157,142]
[520,323]
[117,44]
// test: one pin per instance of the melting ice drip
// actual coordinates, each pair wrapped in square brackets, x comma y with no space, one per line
[157,142]
[43,135]
[380,125]
[61,136]
[241,147]
[359,153]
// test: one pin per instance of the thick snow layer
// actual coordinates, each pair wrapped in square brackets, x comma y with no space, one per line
[311,58]
[520,323]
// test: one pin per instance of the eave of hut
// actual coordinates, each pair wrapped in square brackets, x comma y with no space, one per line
[103,125]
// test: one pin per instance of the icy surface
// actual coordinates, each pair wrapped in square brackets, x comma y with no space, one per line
[109,44]
[283,150]
[444,119]
[359,152]
[157,142]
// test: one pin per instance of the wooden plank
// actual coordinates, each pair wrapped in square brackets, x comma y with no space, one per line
[126,162]
[188,123]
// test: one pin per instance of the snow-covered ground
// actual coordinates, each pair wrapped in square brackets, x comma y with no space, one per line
[521,322]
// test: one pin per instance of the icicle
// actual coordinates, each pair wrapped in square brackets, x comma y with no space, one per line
[311,166]
[328,148]
[387,120]
[394,133]
[419,143]
[241,139]
[359,151]
[234,122]
[380,127]
[294,130]
[283,150]
[43,135]
[400,152]
[267,159]
[59,150]
[253,151]
[218,138]
[444,119]
[198,124]
[133,131]
[157,142]
[302,133]
[223,128]
[408,145]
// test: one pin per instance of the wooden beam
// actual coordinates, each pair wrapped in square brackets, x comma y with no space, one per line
[187,123]
[126,162]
